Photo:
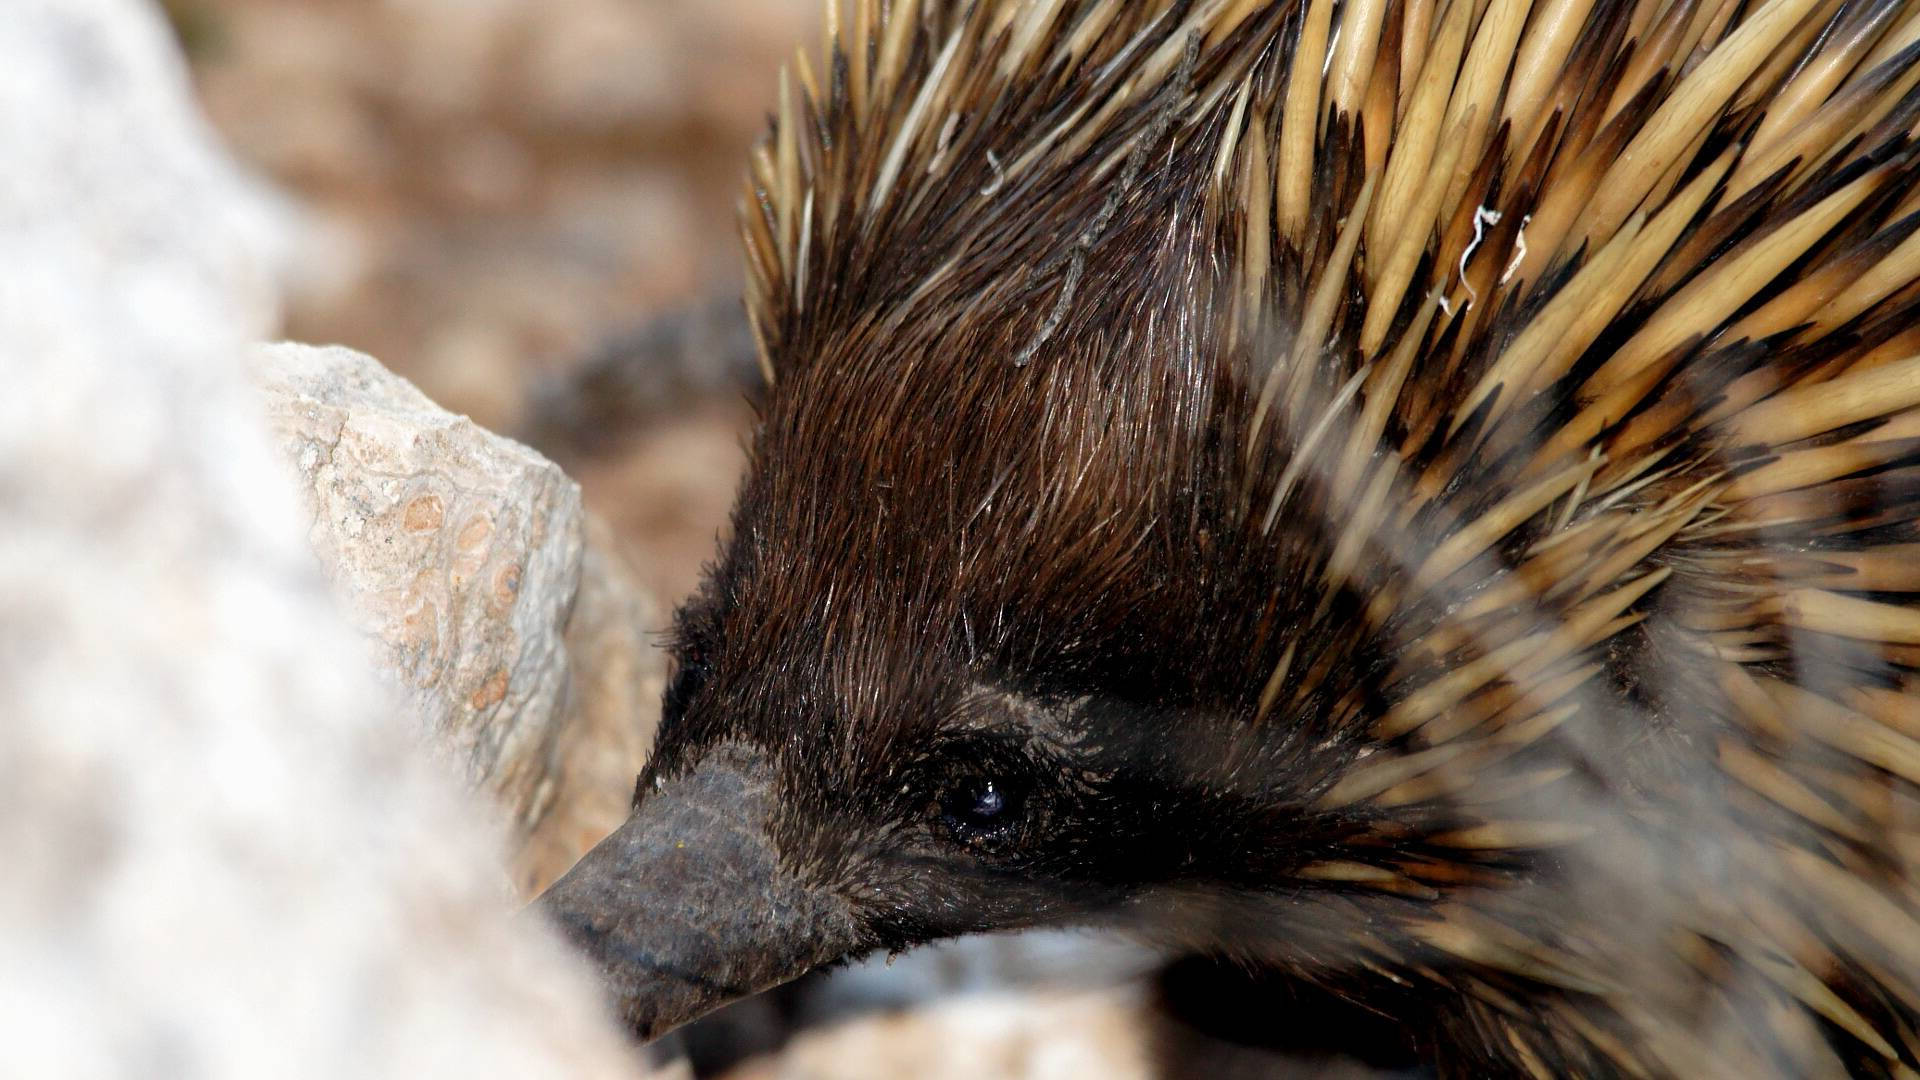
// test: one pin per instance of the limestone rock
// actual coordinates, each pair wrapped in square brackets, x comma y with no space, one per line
[224,853]
[519,647]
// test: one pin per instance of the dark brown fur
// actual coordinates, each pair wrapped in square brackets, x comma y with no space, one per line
[1180,488]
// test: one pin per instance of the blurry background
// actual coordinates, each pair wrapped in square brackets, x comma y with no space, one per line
[497,194]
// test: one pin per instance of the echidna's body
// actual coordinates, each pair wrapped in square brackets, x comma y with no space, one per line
[1420,495]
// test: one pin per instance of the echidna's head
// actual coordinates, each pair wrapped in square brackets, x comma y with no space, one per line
[984,651]
[1321,514]
[996,640]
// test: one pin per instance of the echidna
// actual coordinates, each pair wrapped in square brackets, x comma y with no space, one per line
[1420,497]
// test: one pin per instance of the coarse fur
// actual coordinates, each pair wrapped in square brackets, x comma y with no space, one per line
[1415,495]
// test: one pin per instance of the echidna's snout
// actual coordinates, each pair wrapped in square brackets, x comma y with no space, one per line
[685,907]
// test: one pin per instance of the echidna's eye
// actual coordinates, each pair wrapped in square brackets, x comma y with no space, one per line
[988,801]
[979,809]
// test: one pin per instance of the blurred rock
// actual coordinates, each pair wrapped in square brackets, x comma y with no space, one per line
[224,854]
[1038,1005]
[653,424]
[1058,962]
[499,184]
[901,1015]
[604,66]
[1038,1035]
[644,376]
[460,554]
[670,490]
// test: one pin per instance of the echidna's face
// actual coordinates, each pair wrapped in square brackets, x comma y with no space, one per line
[935,687]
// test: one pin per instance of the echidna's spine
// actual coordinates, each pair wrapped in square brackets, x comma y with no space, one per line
[1589,332]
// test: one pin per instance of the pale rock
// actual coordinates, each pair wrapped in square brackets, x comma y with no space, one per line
[1032,1035]
[459,554]
[457,551]
[225,855]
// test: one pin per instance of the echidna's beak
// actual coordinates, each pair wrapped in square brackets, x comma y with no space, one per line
[685,907]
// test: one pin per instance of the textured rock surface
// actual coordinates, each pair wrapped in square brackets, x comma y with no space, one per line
[460,553]
[224,855]
[457,550]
